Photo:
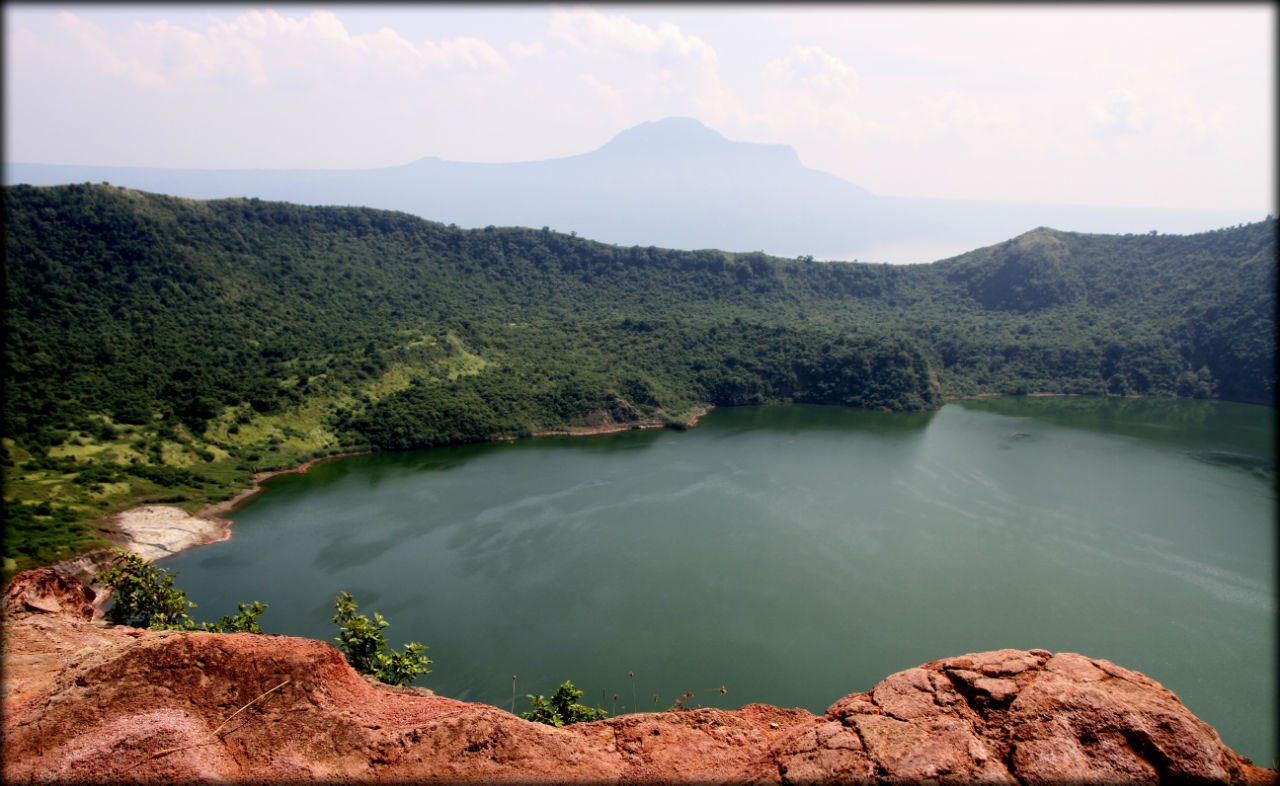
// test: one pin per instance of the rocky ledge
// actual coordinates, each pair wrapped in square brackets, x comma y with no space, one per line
[88,702]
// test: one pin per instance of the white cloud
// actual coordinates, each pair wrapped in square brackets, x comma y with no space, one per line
[94,46]
[635,72]
[608,98]
[534,51]
[814,99]
[1120,113]
[808,95]
[953,110]
[260,47]
[590,31]
[815,70]
[475,53]
[1207,125]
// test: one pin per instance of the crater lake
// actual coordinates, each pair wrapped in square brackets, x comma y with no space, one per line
[794,554]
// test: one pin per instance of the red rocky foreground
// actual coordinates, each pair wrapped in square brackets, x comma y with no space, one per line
[83,702]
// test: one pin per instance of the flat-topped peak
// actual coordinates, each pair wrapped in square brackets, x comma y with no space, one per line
[686,136]
[669,130]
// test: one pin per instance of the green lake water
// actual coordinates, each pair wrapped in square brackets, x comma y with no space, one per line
[795,554]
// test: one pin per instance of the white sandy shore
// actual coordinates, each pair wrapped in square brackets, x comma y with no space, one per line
[156,531]
[151,532]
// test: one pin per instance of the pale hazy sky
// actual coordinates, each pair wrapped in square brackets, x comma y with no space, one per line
[1144,105]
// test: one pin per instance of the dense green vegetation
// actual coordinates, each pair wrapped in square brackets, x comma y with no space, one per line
[163,349]
[144,597]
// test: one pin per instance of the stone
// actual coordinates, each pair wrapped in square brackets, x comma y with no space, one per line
[49,591]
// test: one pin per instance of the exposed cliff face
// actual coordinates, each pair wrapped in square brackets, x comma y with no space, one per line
[86,702]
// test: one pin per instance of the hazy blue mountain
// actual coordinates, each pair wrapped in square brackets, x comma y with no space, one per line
[672,183]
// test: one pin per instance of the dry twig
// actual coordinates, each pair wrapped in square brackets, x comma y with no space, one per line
[211,734]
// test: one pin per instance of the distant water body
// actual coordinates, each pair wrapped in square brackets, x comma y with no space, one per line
[966,225]
[795,554]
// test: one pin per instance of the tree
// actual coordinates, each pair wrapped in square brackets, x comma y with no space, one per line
[366,648]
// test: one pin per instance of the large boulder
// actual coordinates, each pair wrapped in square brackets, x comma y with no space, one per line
[49,591]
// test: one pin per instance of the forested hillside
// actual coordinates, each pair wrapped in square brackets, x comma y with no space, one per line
[163,349]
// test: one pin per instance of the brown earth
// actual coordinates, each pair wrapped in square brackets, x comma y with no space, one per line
[84,701]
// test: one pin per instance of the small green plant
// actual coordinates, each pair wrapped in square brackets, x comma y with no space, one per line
[144,595]
[245,620]
[146,598]
[367,650]
[563,709]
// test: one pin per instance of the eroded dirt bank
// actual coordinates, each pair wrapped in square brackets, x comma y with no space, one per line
[88,702]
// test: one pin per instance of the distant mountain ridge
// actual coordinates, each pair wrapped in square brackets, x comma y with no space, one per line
[672,183]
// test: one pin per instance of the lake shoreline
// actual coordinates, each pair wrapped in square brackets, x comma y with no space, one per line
[208,525]
[123,524]
[616,428]
[169,530]
[216,510]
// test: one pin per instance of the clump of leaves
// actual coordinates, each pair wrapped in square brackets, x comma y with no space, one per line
[563,709]
[146,598]
[367,650]
[144,595]
[245,620]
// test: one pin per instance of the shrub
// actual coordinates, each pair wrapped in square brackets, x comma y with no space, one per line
[144,595]
[245,620]
[146,598]
[563,709]
[366,648]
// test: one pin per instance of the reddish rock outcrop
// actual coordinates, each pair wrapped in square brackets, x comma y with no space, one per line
[87,702]
[50,591]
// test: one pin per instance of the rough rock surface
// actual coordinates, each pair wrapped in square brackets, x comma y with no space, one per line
[88,702]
